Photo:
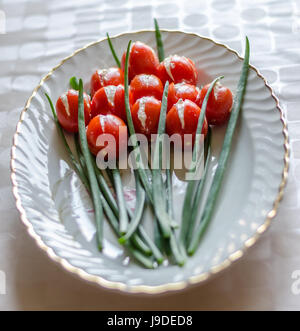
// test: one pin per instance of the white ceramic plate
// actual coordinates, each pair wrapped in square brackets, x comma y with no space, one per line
[57,211]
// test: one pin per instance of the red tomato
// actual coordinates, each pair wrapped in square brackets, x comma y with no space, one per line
[182,91]
[183,119]
[67,110]
[178,69]
[142,60]
[219,104]
[105,124]
[109,100]
[145,85]
[105,77]
[145,115]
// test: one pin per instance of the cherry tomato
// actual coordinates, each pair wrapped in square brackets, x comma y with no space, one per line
[177,69]
[182,91]
[105,77]
[219,104]
[145,115]
[145,85]
[67,110]
[142,60]
[109,100]
[183,119]
[105,124]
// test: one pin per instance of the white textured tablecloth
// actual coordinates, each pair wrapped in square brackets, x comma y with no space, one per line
[38,34]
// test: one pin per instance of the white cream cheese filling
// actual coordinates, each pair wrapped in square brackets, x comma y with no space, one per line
[141,112]
[102,73]
[110,92]
[180,111]
[64,99]
[168,65]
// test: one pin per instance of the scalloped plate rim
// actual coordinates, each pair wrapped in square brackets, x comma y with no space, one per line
[142,289]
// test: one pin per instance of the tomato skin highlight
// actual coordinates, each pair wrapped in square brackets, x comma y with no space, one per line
[105,77]
[67,110]
[187,121]
[145,85]
[219,104]
[109,100]
[104,124]
[178,69]
[142,60]
[145,115]
[182,91]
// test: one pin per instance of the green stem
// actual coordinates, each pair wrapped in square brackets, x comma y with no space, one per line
[138,156]
[95,192]
[113,51]
[144,236]
[123,216]
[155,249]
[198,194]
[110,214]
[79,154]
[223,159]
[164,219]
[138,211]
[159,42]
[161,56]
[74,83]
[192,184]
[75,164]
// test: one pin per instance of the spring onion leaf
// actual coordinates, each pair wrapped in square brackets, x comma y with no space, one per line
[139,242]
[190,190]
[159,42]
[225,152]
[76,166]
[138,211]
[110,214]
[199,189]
[123,216]
[137,152]
[95,192]
[164,219]
[74,83]
[114,54]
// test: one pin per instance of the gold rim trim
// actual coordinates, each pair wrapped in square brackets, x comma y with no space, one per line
[202,277]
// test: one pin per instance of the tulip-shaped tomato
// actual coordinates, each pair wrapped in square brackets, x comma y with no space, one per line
[142,60]
[183,119]
[178,69]
[145,85]
[67,110]
[182,91]
[145,115]
[219,104]
[106,124]
[105,77]
[109,100]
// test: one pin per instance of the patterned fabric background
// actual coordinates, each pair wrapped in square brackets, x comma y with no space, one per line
[36,35]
